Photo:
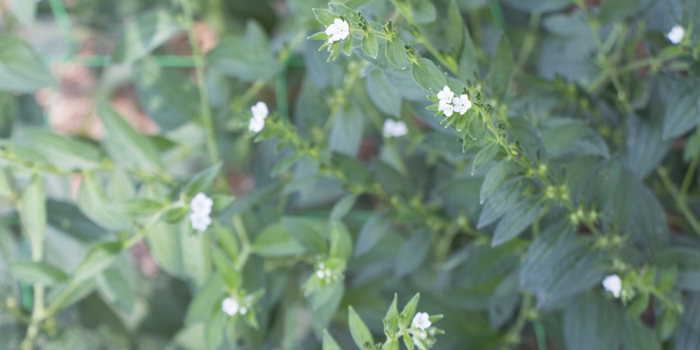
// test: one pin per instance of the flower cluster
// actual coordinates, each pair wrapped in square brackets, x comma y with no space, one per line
[260,111]
[423,334]
[613,284]
[450,104]
[201,209]
[231,307]
[328,272]
[337,31]
[394,128]
[676,35]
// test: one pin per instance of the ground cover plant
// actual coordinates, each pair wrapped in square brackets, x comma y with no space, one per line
[361,174]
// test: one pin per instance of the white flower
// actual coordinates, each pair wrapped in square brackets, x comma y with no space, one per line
[201,204]
[200,222]
[243,310]
[230,307]
[446,108]
[256,124]
[339,30]
[260,110]
[320,274]
[446,95]
[394,128]
[676,34]
[613,284]
[462,104]
[422,320]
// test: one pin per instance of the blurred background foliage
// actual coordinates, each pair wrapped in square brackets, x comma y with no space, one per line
[111,122]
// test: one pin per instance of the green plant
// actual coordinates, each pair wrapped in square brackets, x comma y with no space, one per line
[529,167]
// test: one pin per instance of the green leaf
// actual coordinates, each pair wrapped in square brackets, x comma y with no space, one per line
[342,207]
[501,68]
[114,289]
[681,99]
[229,275]
[202,181]
[318,36]
[391,319]
[214,328]
[346,133]
[516,220]
[37,272]
[347,46]
[285,163]
[688,336]
[120,186]
[504,301]
[335,48]
[97,259]
[372,232]
[94,203]
[413,253]
[468,63]
[559,264]
[409,311]
[567,137]
[309,233]
[33,210]
[324,16]
[226,241]
[529,139]
[495,178]
[502,200]
[392,344]
[477,125]
[21,70]
[455,29]
[65,153]
[248,57]
[125,145]
[395,52]
[593,323]
[427,75]
[168,96]
[423,11]
[24,11]
[69,219]
[147,32]
[341,241]
[359,331]
[203,302]
[384,95]
[638,306]
[275,241]
[370,45]
[342,10]
[616,10]
[484,157]
[328,342]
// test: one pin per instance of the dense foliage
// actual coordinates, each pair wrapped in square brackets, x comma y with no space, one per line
[277,174]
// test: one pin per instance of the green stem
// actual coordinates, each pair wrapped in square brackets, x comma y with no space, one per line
[680,203]
[245,242]
[207,117]
[688,179]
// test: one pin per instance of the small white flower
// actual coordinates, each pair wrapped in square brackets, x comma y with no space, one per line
[201,204]
[446,108]
[259,110]
[339,30]
[421,320]
[462,104]
[613,284]
[200,222]
[446,95]
[256,124]
[230,307]
[243,310]
[320,274]
[676,34]
[394,128]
